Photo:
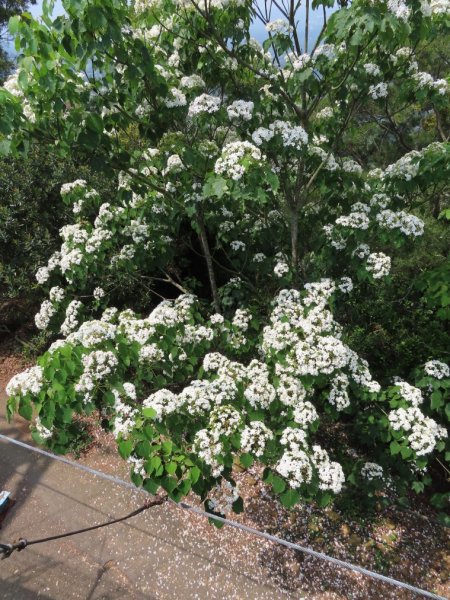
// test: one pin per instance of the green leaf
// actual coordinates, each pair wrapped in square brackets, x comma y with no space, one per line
[26,409]
[418,487]
[215,186]
[155,462]
[436,400]
[151,486]
[125,448]
[169,483]
[325,499]
[238,506]
[246,460]
[290,498]
[278,484]
[149,412]
[406,452]
[194,474]
[171,467]
[167,447]
[395,448]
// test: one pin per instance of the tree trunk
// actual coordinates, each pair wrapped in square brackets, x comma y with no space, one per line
[209,263]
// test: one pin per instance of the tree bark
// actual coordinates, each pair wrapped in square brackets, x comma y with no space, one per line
[209,263]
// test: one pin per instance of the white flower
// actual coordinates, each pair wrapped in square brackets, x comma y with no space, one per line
[372,69]
[216,319]
[399,9]
[371,470]
[56,294]
[230,163]
[278,26]
[237,245]
[204,104]
[43,432]
[437,369]
[304,414]
[281,268]
[164,402]
[67,188]
[29,381]
[345,285]
[192,81]
[378,264]
[379,90]
[177,98]
[98,293]
[240,109]
[46,312]
[295,467]
[254,438]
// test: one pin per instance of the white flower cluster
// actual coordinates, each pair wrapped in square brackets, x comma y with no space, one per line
[371,470]
[407,167]
[29,381]
[293,136]
[176,98]
[410,393]
[56,294]
[338,394]
[201,396]
[164,402]
[46,312]
[208,447]
[190,82]
[372,69]
[97,365]
[12,86]
[260,393]
[125,417]
[278,26]
[305,331]
[378,90]
[240,109]
[425,80]
[233,155]
[378,264]
[354,220]
[408,224]
[281,268]
[92,333]
[78,184]
[138,465]
[150,353]
[437,369]
[300,62]
[325,113]
[400,9]
[345,285]
[254,438]
[43,431]
[298,463]
[71,320]
[237,245]
[204,104]
[422,432]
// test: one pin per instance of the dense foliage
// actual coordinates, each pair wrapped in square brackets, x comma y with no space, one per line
[31,214]
[246,154]
[8,8]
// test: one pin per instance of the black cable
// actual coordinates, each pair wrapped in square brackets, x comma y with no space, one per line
[7,549]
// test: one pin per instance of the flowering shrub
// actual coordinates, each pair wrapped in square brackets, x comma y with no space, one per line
[244,146]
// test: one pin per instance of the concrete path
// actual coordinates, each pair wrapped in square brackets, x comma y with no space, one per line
[162,553]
